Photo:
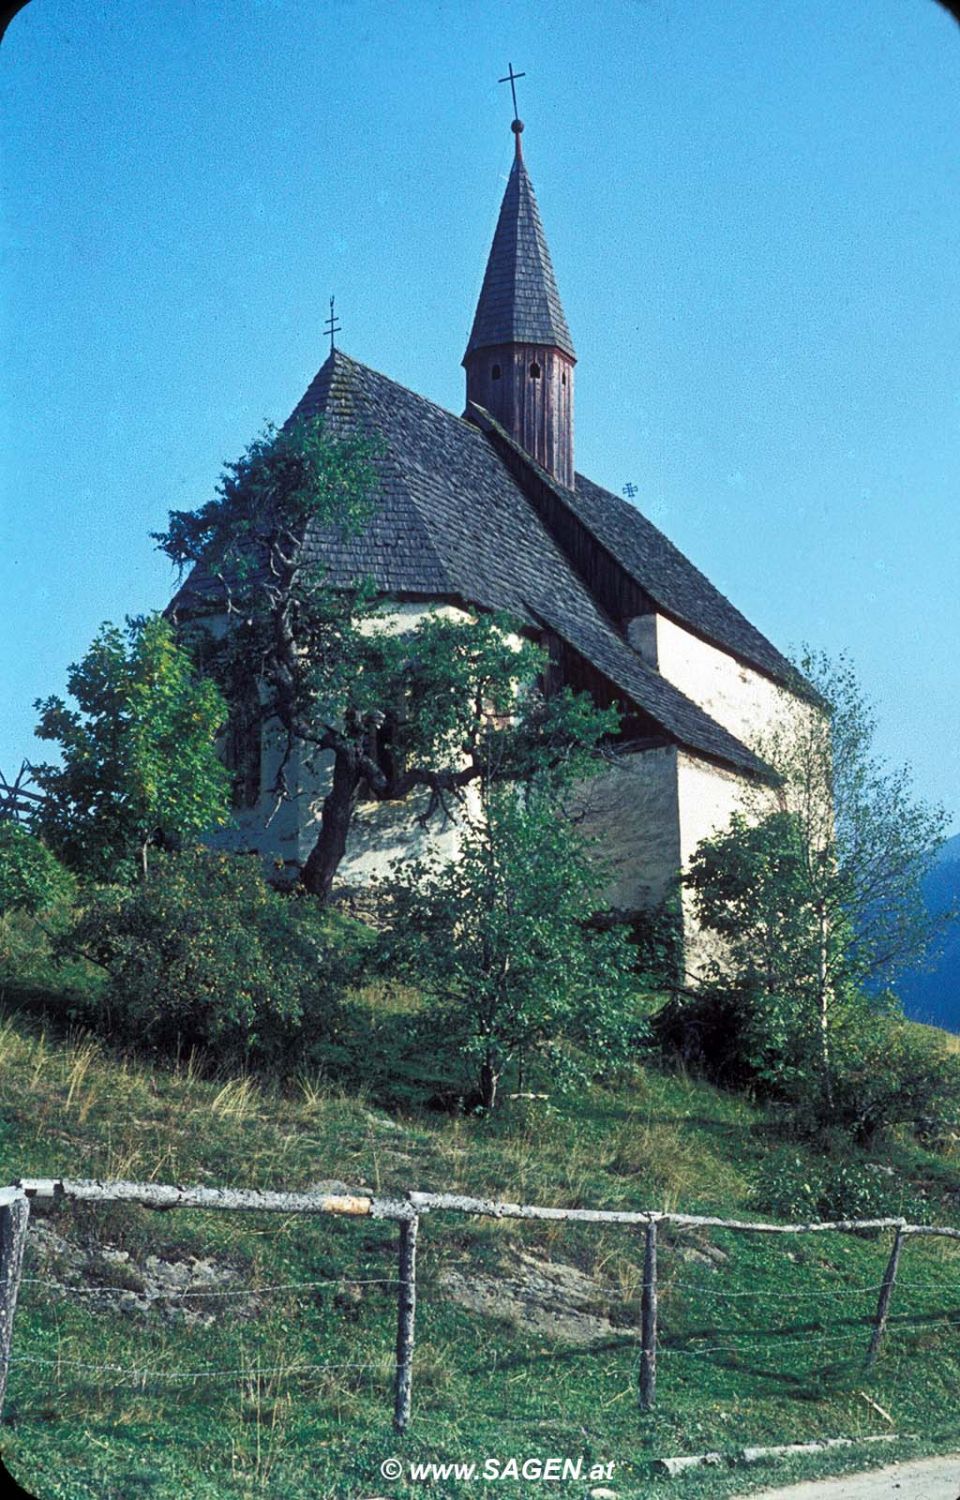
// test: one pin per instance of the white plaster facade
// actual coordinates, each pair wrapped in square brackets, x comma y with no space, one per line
[739,697]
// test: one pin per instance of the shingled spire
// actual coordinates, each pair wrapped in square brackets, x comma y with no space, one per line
[520,356]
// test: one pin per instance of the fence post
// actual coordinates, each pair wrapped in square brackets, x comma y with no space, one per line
[406,1315]
[883,1303]
[14,1217]
[648,1321]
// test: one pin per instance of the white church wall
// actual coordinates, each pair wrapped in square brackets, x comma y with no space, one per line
[743,700]
[708,796]
[285,832]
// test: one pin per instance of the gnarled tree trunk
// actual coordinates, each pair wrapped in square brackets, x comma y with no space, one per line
[324,859]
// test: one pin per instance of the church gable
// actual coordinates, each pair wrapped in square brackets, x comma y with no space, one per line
[453,522]
[676,587]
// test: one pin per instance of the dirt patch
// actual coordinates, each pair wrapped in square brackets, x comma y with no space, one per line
[187,1290]
[544,1297]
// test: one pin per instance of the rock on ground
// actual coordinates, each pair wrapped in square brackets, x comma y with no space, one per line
[542,1296]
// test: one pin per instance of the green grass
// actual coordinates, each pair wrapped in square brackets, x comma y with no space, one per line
[766,1349]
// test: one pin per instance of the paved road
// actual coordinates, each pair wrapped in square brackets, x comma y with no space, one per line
[926,1479]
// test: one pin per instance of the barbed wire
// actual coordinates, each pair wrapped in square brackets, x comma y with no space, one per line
[849,1291]
[816,1294]
[207,1373]
[174,1294]
[294,1286]
[775,1334]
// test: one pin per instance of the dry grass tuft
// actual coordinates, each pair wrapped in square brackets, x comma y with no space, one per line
[236,1099]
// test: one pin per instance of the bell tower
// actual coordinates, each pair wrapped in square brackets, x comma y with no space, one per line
[520,356]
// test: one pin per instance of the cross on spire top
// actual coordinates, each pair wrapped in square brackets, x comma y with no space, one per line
[511,78]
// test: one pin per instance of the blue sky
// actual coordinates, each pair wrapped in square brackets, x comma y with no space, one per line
[754,214]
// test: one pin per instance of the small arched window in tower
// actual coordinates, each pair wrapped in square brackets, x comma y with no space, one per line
[534,371]
[563,378]
[495,373]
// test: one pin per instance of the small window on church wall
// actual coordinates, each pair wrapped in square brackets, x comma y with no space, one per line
[495,373]
[534,371]
[563,378]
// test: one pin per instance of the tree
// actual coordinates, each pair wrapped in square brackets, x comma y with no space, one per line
[384,712]
[780,981]
[139,762]
[500,937]
[819,902]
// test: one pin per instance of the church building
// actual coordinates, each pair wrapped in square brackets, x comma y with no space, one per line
[485,511]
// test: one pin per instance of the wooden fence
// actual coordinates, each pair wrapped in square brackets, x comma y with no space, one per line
[407,1213]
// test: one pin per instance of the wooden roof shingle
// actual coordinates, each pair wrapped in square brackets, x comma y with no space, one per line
[519,302]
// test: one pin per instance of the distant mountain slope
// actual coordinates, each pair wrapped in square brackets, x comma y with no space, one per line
[935,996]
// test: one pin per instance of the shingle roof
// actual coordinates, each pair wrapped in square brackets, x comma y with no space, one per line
[519,301]
[452,521]
[641,551]
[672,581]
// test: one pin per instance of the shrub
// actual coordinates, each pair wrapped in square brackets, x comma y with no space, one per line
[792,1185]
[206,954]
[891,1072]
[884,1070]
[31,879]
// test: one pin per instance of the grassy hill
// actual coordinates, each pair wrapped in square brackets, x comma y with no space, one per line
[526,1332]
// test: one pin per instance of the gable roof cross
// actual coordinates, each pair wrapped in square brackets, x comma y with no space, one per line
[331,326]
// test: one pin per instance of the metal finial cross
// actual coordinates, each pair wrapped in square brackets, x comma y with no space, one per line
[331,326]
[511,78]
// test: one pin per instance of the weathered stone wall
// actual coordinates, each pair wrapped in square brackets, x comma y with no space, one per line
[632,810]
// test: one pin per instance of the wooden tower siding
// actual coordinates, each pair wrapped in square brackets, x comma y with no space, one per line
[520,356]
[536,409]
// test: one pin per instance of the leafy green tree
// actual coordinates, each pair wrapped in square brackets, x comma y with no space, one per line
[868,839]
[139,763]
[781,974]
[500,937]
[818,903]
[384,713]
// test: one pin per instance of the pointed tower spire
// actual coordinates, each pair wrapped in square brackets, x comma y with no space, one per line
[520,356]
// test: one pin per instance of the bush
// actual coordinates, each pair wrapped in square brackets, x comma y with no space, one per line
[205,954]
[891,1072]
[884,1070]
[793,1186]
[31,879]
